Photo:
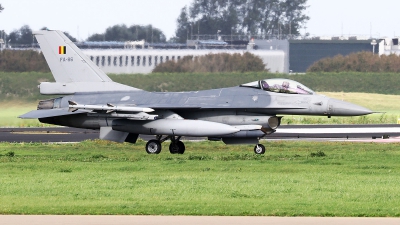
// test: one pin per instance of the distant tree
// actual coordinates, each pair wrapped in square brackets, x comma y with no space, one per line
[70,37]
[1,8]
[266,17]
[182,32]
[96,37]
[24,36]
[13,37]
[134,32]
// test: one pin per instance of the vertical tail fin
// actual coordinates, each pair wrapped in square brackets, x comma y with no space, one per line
[72,70]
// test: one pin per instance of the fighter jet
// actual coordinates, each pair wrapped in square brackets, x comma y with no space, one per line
[235,115]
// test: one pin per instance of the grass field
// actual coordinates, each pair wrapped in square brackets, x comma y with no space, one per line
[387,104]
[292,179]
[10,111]
[376,102]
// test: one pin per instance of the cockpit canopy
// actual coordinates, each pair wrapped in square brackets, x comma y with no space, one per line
[280,86]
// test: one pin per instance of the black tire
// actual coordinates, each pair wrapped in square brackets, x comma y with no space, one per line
[177,148]
[259,149]
[153,147]
[181,147]
[173,148]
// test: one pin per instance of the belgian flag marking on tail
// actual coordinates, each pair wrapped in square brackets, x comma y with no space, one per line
[62,50]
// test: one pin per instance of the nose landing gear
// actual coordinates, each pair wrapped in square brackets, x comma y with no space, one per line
[259,149]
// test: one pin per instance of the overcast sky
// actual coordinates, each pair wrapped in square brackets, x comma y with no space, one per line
[82,18]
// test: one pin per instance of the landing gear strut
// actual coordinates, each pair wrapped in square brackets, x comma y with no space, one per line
[176,146]
[259,149]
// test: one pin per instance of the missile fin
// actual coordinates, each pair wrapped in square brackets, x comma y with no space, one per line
[70,102]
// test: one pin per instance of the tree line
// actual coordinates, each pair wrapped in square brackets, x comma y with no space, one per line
[233,17]
[242,17]
[22,61]
[213,63]
[24,36]
[358,62]
[135,32]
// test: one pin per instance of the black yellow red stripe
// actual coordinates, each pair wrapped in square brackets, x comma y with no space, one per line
[62,49]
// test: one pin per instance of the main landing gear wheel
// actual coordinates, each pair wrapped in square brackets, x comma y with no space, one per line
[259,149]
[153,147]
[177,148]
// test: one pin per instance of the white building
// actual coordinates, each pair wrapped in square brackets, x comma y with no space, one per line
[144,60]
[389,46]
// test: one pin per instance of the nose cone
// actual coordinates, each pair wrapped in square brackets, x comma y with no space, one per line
[342,108]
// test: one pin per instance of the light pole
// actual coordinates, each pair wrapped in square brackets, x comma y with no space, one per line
[191,31]
[373,43]
[1,39]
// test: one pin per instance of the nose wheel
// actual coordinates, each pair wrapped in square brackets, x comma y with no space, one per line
[259,149]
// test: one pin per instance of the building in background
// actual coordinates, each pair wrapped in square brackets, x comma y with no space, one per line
[279,54]
[140,57]
[303,53]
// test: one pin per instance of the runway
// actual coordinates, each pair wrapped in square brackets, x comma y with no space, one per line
[193,220]
[287,132]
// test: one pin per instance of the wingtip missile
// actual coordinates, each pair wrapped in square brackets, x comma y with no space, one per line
[109,108]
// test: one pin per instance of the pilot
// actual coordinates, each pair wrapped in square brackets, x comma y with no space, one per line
[285,87]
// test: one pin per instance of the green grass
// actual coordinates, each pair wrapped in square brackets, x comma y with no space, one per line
[377,102]
[11,110]
[386,104]
[291,179]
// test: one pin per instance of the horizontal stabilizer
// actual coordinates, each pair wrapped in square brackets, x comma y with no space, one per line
[44,113]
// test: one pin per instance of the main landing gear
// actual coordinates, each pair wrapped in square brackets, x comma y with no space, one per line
[176,147]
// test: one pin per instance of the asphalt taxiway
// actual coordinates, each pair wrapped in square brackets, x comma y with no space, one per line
[380,132]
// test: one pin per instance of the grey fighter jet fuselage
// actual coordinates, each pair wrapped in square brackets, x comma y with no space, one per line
[235,115]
